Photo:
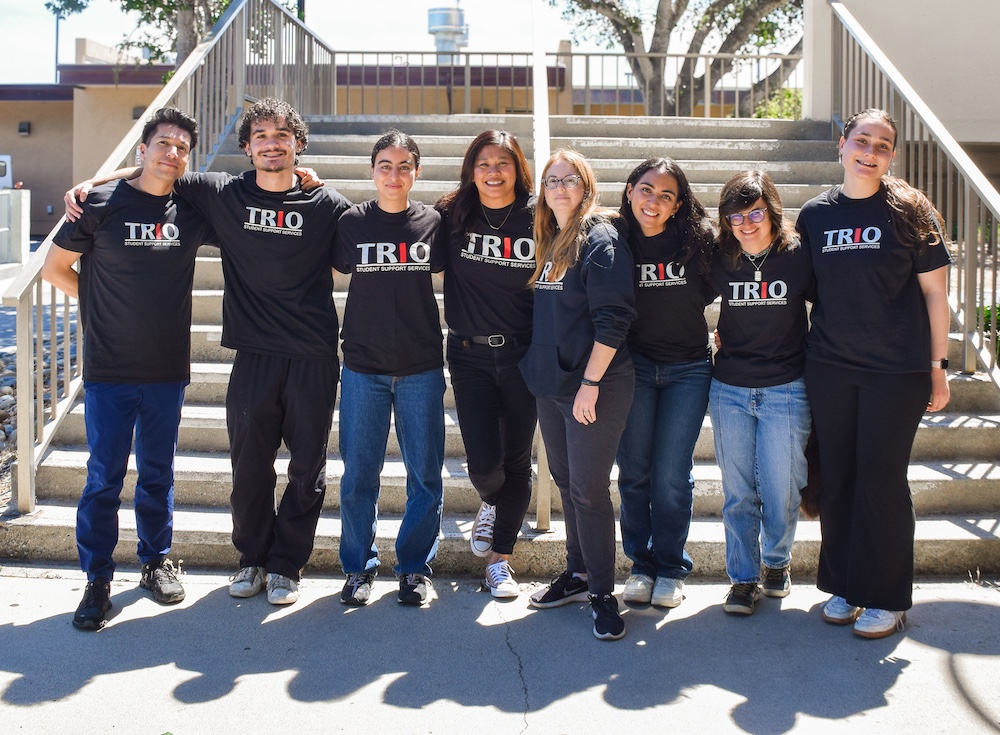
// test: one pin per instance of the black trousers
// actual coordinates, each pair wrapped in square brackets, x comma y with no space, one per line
[497,416]
[270,400]
[580,459]
[865,425]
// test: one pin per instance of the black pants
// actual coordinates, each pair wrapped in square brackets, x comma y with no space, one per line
[270,400]
[496,413]
[865,425]
[580,459]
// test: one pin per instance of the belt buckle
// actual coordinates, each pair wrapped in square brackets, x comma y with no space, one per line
[496,340]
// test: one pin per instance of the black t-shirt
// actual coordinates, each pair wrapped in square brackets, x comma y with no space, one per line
[670,299]
[391,324]
[594,301]
[136,270]
[277,251]
[486,280]
[869,312]
[763,323]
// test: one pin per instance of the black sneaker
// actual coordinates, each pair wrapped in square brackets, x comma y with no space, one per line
[562,590]
[777,582]
[414,589]
[742,598]
[357,589]
[160,578]
[92,612]
[608,623]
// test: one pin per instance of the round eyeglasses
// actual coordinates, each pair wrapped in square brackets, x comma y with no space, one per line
[570,182]
[754,215]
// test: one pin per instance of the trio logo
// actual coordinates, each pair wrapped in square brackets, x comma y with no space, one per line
[152,234]
[744,292]
[544,284]
[858,238]
[494,247]
[661,274]
[391,254]
[276,221]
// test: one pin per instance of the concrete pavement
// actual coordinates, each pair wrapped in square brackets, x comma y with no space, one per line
[469,664]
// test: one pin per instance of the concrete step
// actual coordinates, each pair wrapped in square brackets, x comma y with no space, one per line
[702,171]
[641,127]
[947,545]
[205,479]
[418,125]
[640,148]
[203,429]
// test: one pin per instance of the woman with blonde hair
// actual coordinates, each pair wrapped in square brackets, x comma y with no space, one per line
[579,369]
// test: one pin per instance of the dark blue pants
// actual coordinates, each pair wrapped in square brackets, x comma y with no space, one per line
[111,412]
[496,413]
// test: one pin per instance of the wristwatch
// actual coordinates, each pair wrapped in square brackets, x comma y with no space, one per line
[940,363]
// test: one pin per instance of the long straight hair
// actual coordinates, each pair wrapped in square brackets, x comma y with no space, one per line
[561,247]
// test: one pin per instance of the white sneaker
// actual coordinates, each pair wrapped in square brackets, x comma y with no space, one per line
[876,623]
[667,592]
[498,577]
[482,531]
[839,612]
[247,582]
[281,590]
[638,589]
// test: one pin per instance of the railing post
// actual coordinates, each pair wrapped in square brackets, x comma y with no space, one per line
[24,478]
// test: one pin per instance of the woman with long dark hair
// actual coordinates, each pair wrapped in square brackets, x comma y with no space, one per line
[670,237]
[578,367]
[876,361]
[486,232]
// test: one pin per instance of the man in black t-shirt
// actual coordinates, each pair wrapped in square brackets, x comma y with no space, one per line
[136,243]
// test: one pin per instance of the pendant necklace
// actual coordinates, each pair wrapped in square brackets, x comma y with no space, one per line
[757,261]
[486,217]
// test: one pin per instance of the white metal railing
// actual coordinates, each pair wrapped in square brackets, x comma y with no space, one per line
[930,159]
[257,49]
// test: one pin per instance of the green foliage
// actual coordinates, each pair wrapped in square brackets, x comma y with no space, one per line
[785,104]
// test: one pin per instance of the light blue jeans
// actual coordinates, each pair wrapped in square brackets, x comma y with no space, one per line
[760,440]
[366,405]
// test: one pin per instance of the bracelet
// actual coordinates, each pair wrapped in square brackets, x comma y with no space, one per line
[594,383]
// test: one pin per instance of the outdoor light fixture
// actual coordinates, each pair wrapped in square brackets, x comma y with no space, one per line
[24,128]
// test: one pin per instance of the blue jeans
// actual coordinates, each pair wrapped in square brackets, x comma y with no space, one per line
[366,404]
[655,457]
[111,412]
[760,441]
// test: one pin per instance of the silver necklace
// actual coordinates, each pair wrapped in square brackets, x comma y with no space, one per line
[486,217]
[757,264]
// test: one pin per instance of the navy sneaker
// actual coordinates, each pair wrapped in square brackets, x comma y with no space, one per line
[92,612]
[160,578]
[742,598]
[562,590]
[608,623]
[414,589]
[777,582]
[357,589]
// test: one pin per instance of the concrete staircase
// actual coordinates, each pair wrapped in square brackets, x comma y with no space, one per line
[953,472]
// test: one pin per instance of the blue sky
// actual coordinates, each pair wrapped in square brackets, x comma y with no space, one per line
[27,56]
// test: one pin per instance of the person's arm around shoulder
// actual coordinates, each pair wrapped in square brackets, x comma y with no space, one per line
[934,284]
[58,270]
[74,198]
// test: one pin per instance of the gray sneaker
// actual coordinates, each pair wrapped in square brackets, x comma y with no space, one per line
[281,590]
[247,582]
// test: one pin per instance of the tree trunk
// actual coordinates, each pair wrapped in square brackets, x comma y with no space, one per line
[187,33]
[770,84]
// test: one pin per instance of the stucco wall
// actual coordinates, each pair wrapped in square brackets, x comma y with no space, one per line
[948,52]
[42,160]
[101,118]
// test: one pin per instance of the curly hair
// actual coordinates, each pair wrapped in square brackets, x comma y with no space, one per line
[276,111]
[691,225]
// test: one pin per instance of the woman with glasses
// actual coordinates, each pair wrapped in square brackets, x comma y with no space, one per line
[876,361]
[670,237]
[393,365]
[579,369]
[760,413]
[486,231]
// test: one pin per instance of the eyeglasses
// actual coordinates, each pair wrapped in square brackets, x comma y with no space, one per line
[570,182]
[754,215]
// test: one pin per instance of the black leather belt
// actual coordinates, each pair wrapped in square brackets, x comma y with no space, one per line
[492,340]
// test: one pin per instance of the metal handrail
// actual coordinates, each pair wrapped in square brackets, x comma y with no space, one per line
[930,159]
[256,49]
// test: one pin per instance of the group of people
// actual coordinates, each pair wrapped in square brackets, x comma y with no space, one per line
[588,320]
